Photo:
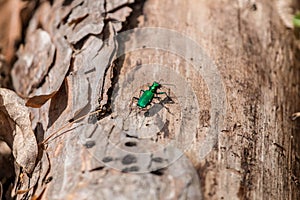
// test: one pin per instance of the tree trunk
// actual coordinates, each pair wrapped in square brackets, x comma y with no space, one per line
[220,127]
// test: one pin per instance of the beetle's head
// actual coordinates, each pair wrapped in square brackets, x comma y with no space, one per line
[156,84]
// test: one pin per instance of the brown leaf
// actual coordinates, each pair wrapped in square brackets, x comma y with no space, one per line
[38,101]
[295,115]
[16,129]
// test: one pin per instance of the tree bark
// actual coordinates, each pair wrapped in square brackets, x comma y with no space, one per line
[223,131]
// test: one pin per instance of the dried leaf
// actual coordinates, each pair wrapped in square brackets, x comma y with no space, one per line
[17,129]
[295,115]
[38,101]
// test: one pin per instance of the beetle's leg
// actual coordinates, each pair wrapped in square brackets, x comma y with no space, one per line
[162,103]
[157,97]
[132,99]
[169,99]
[163,93]
[135,98]
[164,100]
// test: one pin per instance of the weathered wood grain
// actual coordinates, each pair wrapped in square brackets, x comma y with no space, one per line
[224,132]
[256,156]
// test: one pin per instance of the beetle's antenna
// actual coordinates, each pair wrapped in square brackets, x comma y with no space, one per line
[160,80]
[168,84]
[165,83]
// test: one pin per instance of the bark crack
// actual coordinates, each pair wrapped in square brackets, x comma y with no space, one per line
[116,66]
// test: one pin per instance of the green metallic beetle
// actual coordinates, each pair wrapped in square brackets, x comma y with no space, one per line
[148,95]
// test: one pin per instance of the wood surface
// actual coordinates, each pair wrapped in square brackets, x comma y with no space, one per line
[230,70]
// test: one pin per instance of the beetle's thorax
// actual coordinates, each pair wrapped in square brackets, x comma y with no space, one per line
[153,89]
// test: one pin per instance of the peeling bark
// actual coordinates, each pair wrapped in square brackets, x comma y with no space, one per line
[223,131]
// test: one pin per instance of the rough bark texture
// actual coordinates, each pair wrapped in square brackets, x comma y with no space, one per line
[223,132]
